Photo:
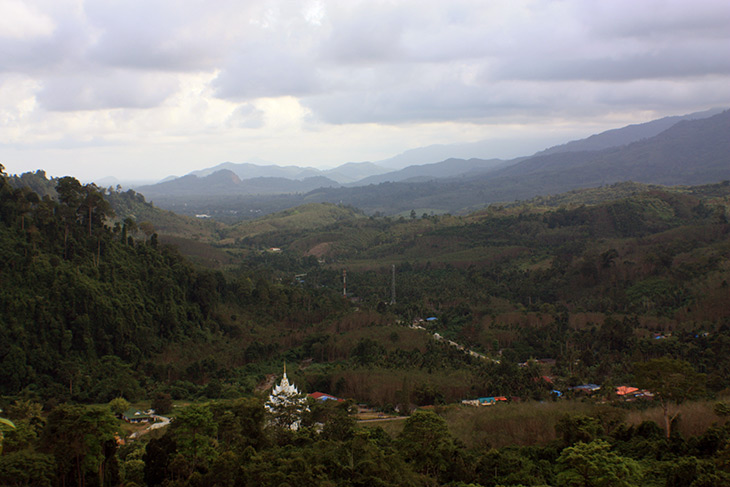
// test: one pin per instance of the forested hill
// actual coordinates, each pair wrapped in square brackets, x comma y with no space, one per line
[79,299]
[86,305]
[126,204]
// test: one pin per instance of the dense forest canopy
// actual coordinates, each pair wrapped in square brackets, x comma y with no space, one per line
[547,294]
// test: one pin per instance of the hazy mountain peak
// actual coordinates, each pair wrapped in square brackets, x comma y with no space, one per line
[354,171]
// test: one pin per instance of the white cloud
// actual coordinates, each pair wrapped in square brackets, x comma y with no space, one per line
[22,21]
[314,12]
[247,115]
[17,104]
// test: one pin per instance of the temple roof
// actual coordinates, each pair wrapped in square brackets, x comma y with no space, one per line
[284,388]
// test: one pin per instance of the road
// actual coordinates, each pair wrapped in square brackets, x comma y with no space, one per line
[160,422]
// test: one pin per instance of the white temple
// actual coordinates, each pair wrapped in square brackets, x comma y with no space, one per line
[286,404]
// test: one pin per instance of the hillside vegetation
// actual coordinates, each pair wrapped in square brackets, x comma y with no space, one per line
[594,286]
[543,278]
[547,278]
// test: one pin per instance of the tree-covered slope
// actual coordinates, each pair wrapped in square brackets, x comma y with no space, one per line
[87,304]
[76,293]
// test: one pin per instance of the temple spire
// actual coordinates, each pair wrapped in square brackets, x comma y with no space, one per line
[286,404]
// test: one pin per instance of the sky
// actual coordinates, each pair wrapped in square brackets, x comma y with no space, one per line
[144,89]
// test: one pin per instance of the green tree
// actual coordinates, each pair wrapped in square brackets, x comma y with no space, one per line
[157,456]
[133,471]
[23,436]
[241,423]
[114,378]
[129,226]
[338,424]
[507,466]
[118,405]
[162,403]
[26,468]
[95,207]
[195,431]
[575,428]
[70,195]
[78,436]
[672,381]
[694,472]
[427,444]
[595,465]
[721,409]
[26,409]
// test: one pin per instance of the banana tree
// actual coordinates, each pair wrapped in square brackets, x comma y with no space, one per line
[4,422]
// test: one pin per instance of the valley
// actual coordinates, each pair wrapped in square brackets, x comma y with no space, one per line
[550,302]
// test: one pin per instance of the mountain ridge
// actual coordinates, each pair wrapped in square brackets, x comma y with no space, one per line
[693,151]
[424,157]
[626,135]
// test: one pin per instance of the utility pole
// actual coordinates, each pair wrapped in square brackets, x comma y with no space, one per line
[344,283]
[392,288]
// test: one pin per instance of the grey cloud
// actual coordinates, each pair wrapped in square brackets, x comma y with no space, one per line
[148,53]
[104,90]
[259,72]
[46,54]
[364,37]
[673,20]
[373,61]
[502,102]
[711,92]
[558,57]
[666,63]
[446,101]
[160,35]
[156,35]
[408,32]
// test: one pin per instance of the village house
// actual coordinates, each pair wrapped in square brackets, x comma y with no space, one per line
[134,416]
[321,396]
[484,401]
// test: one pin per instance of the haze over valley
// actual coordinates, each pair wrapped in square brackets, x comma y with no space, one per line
[689,149]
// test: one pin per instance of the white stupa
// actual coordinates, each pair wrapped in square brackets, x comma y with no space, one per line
[286,404]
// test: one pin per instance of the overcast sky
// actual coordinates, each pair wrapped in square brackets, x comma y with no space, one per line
[142,89]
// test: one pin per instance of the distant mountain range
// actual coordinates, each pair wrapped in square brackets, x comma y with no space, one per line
[627,135]
[444,169]
[226,182]
[691,149]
